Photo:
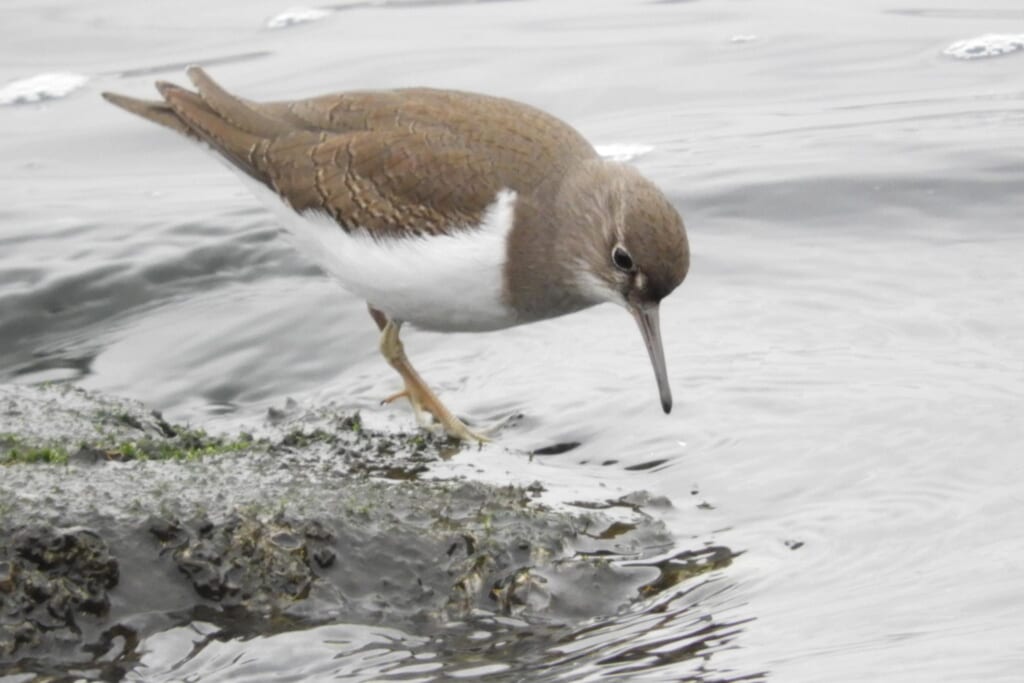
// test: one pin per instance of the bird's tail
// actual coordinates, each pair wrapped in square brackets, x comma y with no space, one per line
[157,111]
[212,115]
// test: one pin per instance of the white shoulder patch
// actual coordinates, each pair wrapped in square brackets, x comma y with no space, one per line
[448,283]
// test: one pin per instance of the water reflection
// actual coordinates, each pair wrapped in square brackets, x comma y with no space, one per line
[672,636]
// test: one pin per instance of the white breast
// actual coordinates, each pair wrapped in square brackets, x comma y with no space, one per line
[448,283]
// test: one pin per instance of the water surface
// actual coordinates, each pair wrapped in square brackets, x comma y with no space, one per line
[846,353]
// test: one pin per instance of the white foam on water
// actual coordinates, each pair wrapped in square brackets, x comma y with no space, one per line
[623,152]
[743,38]
[46,86]
[988,45]
[296,15]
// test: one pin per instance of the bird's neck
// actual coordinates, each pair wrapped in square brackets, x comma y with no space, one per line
[541,271]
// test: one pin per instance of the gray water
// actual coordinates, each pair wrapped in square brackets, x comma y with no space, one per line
[846,354]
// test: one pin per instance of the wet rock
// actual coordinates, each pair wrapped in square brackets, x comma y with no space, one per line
[50,579]
[679,567]
[315,519]
[66,425]
[70,415]
[261,566]
[87,455]
[520,591]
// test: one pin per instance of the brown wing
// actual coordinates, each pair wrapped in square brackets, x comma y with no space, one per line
[383,161]
[387,182]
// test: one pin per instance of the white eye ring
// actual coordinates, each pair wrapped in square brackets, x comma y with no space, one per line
[622,260]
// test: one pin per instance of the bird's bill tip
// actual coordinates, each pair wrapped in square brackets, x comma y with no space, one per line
[647,319]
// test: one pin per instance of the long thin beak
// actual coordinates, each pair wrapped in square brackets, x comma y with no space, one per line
[650,328]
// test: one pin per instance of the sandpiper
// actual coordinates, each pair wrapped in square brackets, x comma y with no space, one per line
[448,210]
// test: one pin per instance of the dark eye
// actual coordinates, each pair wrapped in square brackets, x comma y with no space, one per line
[622,260]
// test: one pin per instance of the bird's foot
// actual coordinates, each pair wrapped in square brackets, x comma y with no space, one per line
[422,399]
[427,402]
[431,413]
[457,428]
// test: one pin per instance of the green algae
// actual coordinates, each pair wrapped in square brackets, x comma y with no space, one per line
[186,445]
[14,450]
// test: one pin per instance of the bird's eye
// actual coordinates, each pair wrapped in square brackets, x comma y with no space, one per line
[622,260]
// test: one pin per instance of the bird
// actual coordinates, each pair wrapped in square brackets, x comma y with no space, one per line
[447,210]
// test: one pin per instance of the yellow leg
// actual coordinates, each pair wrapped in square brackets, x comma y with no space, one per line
[416,390]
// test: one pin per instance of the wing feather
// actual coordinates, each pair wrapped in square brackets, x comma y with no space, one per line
[390,162]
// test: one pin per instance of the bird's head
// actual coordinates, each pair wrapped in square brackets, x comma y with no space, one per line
[633,249]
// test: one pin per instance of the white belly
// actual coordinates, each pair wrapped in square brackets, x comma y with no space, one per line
[448,283]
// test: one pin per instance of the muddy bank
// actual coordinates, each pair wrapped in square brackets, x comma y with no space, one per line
[116,526]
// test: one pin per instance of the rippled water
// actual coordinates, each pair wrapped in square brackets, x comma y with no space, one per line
[846,353]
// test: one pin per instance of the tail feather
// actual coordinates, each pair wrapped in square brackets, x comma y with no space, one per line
[236,144]
[155,111]
[211,115]
[235,110]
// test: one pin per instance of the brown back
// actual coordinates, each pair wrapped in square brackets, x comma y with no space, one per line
[392,162]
